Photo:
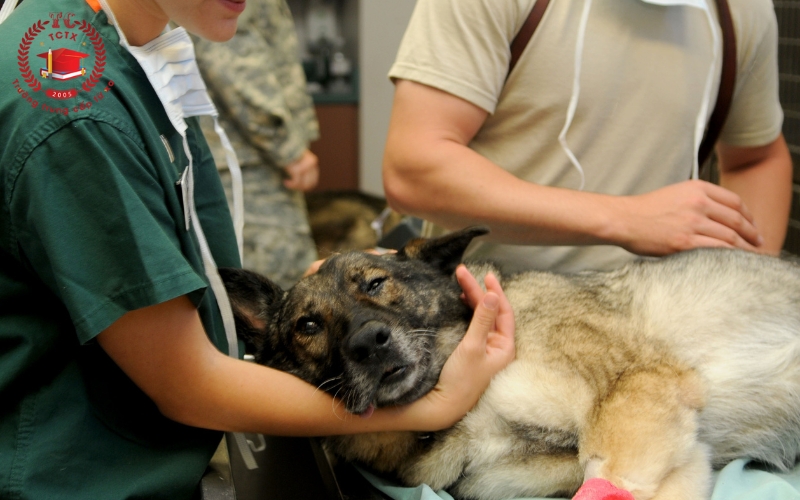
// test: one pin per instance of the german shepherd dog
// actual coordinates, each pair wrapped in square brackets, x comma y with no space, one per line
[648,376]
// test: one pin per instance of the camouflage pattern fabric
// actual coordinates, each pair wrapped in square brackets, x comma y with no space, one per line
[258,85]
[277,237]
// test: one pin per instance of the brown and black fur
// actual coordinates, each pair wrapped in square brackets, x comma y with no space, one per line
[647,376]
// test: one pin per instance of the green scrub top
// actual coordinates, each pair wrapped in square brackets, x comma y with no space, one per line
[92,226]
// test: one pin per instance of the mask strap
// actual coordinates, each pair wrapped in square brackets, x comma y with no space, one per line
[702,116]
[576,90]
[209,264]
[7,9]
[221,295]
[236,185]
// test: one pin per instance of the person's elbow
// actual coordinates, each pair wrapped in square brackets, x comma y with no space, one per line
[398,186]
[180,409]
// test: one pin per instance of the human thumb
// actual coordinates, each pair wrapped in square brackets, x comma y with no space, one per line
[483,320]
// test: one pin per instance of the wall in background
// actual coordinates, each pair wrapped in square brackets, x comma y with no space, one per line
[788,13]
[381,26]
[353,126]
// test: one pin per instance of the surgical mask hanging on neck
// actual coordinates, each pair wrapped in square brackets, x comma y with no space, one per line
[7,9]
[170,65]
[703,113]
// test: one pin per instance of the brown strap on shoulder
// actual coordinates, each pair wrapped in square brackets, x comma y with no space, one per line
[726,84]
[526,32]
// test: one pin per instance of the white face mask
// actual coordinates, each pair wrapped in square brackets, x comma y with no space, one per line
[702,115]
[6,9]
[170,65]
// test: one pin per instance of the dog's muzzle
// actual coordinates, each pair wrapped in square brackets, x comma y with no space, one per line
[371,347]
[369,343]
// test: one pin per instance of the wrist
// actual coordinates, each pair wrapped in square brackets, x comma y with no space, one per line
[607,219]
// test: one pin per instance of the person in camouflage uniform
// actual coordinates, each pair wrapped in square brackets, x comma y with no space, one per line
[257,82]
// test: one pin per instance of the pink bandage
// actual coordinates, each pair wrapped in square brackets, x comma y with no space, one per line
[600,489]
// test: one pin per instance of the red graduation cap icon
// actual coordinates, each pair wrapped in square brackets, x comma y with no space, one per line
[63,64]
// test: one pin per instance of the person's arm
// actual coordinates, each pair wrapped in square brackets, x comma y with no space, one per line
[762,177]
[429,171]
[165,351]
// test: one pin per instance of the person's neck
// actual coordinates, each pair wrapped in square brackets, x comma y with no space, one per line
[140,20]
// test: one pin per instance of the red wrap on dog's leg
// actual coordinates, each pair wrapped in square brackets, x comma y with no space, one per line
[600,489]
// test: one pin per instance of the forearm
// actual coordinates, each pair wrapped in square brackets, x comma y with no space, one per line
[453,186]
[429,171]
[245,397]
[765,186]
[165,351]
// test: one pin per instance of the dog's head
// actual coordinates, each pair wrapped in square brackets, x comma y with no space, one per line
[372,330]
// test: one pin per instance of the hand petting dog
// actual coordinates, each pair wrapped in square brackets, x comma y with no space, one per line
[487,348]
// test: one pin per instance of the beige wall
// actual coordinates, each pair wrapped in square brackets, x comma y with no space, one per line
[381,26]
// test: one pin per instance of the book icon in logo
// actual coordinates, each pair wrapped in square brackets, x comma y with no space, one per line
[63,64]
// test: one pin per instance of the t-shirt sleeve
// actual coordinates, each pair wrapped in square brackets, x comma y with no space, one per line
[755,117]
[461,47]
[94,219]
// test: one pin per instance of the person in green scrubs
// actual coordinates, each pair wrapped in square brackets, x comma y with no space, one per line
[114,376]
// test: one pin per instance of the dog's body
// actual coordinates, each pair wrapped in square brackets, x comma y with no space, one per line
[646,376]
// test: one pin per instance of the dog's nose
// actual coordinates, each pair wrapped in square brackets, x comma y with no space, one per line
[370,339]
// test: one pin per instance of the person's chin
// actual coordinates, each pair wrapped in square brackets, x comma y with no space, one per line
[219,31]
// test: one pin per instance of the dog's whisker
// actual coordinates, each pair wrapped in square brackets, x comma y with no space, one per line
[334,380]
[423,332]
[336,402]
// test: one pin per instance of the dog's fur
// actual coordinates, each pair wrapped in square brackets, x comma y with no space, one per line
[647,376]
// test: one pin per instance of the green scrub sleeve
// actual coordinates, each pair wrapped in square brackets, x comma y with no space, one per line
[102,224]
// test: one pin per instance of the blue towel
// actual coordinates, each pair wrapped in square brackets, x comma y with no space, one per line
[737,481]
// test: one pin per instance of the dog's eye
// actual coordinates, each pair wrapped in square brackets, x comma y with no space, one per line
[374,286]
[307,326]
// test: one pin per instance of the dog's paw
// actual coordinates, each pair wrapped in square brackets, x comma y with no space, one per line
[601,489]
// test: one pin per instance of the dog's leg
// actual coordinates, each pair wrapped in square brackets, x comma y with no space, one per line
[642,435]
[691,480]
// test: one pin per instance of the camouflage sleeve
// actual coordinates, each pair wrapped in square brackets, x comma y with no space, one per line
[258,84]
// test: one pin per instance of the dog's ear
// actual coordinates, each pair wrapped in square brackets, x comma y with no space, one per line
[251,296]
[445,252]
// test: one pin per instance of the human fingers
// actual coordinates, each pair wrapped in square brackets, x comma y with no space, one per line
[490,337]
[380,251]
[505,323]
[473,292]
[711,233]
[299,179]
[487,347]
[500,341]
[683,216]
[727,198]
[313,268]
[303,174]
[735,224]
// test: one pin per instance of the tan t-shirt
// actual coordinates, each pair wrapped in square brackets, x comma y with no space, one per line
[643,75]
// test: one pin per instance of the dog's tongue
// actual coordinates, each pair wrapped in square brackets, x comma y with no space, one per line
[368,412]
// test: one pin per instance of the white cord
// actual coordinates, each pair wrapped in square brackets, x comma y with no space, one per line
[576,90]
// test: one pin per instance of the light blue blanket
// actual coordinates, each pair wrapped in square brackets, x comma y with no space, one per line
[736,481]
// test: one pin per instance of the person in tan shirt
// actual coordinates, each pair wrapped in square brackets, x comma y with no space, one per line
[469,144]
